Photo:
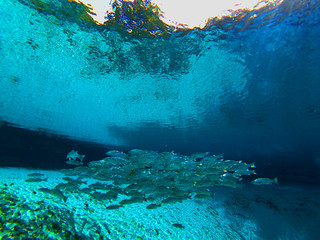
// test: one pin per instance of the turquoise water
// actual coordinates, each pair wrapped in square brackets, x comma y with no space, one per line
[245,87]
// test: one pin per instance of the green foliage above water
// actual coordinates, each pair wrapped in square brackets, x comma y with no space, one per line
[136,18]
[63,10]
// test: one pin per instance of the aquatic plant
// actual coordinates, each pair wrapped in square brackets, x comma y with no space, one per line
[20,219]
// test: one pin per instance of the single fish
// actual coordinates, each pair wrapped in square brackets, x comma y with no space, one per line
[116,153]
[153,206]
[74,158]
[265,181]
[36,179]
[59,194]
[112,207]
[45,190]
[178,225]
[35,175]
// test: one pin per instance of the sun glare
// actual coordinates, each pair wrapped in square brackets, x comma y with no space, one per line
[189,13]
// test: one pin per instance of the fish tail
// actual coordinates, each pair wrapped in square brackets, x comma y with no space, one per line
[276,180]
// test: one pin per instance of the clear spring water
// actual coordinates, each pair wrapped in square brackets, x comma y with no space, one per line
[245,89]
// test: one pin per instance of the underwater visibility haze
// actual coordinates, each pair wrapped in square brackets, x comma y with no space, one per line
[243,85]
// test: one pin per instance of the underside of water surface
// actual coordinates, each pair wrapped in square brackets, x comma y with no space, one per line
[241,86]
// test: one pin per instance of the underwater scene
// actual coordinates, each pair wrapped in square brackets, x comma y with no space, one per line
[160,119]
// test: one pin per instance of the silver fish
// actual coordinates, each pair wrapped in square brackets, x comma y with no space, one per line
[74,158]
[265,181]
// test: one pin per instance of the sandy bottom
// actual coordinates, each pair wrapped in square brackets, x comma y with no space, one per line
[253,212]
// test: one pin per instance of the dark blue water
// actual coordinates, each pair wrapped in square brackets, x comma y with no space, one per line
[249,91]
